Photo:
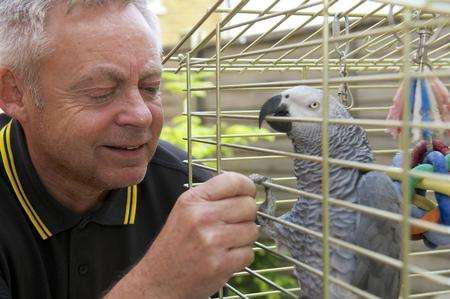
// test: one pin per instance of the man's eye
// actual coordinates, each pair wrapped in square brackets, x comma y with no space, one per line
[103,97]
[151,90]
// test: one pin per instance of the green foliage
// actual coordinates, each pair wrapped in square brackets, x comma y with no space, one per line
[250,284]
[176,130]
[176,83]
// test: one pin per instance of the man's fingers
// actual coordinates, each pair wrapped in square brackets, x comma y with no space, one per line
[239,258]
[225,185]
[236,209]
[235,235]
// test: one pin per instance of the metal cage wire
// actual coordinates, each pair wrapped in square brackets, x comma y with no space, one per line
[342,49]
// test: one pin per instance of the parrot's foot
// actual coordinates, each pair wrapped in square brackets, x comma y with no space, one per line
[267,207]
[258,179]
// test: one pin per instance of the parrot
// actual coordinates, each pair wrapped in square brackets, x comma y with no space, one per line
[369,188]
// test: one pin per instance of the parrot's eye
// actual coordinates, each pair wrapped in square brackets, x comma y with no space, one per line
[314,105]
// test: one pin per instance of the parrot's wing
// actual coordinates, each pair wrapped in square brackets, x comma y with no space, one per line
[375,189]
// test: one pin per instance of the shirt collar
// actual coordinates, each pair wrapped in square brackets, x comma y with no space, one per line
[47,215]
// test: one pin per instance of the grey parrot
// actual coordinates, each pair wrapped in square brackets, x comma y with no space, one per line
[374,189]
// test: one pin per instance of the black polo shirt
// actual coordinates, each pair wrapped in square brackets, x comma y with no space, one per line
[48,251]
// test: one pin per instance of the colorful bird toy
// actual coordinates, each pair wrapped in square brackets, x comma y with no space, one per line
[422,207]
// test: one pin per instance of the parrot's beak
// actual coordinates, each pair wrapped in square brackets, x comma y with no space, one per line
[274,107]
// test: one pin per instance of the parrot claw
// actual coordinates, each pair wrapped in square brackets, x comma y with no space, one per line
[268,207]
[258,179]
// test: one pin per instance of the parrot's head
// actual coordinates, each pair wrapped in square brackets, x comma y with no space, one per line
[299,101]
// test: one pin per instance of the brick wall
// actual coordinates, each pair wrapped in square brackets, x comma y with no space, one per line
[181,15]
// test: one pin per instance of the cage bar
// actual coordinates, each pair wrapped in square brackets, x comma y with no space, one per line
[380,56]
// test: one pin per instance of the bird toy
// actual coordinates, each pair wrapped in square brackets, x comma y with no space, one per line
[438,211]
[429,99]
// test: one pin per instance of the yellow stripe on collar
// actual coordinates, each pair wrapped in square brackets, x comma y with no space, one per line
[130,208]
[133,205]
[10,168]
[127,208]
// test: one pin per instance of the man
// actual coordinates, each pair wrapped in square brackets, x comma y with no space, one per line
[85,187]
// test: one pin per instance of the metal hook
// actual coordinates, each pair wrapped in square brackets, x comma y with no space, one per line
[426,38]
[415,14]
[336,31]
[344,94]
[421,57]
[391,21]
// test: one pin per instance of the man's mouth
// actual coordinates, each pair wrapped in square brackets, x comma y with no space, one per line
[125,147]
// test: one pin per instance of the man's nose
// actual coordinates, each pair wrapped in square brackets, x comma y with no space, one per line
[135,112]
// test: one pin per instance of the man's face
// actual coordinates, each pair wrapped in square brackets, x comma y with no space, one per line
[102,112]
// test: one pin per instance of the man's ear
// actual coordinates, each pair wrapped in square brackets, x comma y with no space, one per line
[11,95]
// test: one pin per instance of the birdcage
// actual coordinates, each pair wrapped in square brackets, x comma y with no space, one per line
[359,51]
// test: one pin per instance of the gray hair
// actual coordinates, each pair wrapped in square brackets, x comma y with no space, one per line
[23,42]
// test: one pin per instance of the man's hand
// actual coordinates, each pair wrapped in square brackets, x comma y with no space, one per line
[208,236]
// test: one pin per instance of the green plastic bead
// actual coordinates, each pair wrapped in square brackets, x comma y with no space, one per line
[413,180]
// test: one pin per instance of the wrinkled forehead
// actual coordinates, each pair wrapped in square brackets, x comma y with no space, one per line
[100,22]
[115,34]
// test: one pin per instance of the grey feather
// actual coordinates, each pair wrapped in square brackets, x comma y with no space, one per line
[378,235]
[347,142]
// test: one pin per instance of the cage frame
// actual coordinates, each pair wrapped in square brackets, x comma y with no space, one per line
[219,63]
